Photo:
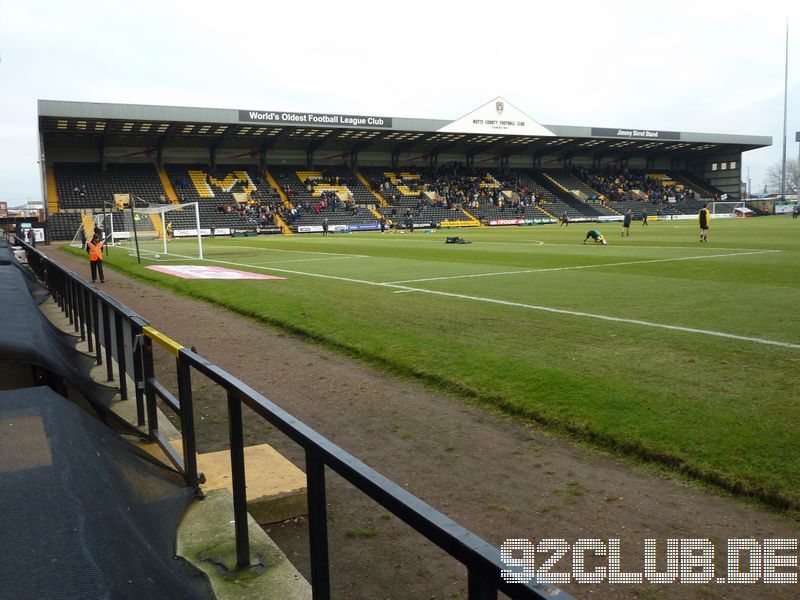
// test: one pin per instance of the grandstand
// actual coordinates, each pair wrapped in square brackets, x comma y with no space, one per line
[283,172]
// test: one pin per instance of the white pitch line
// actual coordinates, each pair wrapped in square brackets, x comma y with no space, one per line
[575,313]
[615,264]
[561,311]
[299,260]
[267,249]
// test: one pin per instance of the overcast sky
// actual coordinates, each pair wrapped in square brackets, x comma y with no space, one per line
[702,66]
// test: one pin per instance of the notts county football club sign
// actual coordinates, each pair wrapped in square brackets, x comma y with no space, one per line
[497,117]
[318,119]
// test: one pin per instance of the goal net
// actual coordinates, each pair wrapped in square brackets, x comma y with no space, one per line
[724,208]
[155,232]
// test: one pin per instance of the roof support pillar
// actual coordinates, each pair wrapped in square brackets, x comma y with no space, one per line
[504,164]
[309,158]
[101,151]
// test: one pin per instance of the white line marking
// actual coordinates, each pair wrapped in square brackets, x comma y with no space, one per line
[614,264]
[268,249]
[575,313]
[561,311]
[299,260]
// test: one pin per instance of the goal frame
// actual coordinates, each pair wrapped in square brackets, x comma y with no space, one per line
[131,237]
[713,206]
[161,211]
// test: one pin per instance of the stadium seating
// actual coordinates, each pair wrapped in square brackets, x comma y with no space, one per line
[63,225]
[243,195]
[554,200]
[88,186]
[216,193]
[569,182]
[333,193]
[701,188]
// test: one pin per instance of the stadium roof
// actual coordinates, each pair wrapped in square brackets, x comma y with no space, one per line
[496,127]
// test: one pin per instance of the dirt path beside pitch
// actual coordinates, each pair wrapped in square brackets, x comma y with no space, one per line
[495,475]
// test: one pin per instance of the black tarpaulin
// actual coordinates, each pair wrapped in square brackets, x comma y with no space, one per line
[36,290]
[82,513]
[26,336]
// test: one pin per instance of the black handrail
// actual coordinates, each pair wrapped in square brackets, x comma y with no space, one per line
[481,559]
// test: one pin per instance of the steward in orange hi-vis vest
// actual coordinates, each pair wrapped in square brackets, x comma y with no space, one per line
[95,250]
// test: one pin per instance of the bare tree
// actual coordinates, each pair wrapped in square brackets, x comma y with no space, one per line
[773,177]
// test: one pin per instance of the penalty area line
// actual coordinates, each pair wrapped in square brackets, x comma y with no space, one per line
[595,266]
[547,309]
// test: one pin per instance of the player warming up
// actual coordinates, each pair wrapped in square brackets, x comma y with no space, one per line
[626,223]
[596,236]
[704,217]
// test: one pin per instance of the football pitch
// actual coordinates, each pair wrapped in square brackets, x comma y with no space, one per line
[655,346]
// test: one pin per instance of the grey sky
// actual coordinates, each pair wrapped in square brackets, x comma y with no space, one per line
[689,66]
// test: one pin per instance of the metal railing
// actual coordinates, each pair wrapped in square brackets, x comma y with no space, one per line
[114,332]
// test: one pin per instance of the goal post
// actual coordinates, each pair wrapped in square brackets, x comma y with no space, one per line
[154,232]
[102,223]
[722,209]
[164,232]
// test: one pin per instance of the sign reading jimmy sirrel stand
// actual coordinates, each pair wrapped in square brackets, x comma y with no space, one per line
[319,119]
[650,134]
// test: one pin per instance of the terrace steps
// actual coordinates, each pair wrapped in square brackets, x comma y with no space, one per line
[368,185]
[274,184]
[282,224]
[170,191]
[52,193]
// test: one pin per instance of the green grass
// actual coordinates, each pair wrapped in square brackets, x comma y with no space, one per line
[723,410]
[361,532]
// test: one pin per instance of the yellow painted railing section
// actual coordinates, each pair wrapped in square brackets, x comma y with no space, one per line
[162,340]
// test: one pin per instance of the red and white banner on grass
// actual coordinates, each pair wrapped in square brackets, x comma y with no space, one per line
[203,272]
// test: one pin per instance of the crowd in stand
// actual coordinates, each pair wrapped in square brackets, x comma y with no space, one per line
[617,184]
[256,212]
[455,187]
